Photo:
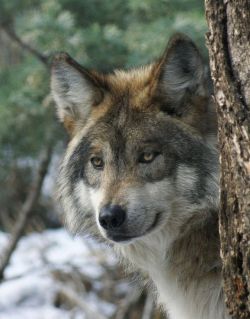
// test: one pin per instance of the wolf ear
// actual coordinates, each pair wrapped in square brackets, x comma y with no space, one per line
[181,71]
[74,90]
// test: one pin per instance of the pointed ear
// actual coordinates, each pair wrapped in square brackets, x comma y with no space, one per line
[74,89]
[181,72]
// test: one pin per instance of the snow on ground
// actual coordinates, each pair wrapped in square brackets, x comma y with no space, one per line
[47,265]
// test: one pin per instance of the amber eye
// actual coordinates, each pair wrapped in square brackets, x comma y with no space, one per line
[97,162]
[148,157]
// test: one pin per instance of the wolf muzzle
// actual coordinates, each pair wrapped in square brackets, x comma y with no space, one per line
[112,217]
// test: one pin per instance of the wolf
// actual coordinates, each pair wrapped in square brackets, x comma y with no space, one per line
[141,171]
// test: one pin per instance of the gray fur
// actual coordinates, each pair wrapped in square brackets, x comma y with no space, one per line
[171,203]
[71,88]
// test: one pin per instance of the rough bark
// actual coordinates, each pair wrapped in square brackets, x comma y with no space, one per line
[228,42]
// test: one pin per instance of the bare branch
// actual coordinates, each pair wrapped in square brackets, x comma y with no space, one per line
[28,206]
[44,161]
[12,34]
[75,301]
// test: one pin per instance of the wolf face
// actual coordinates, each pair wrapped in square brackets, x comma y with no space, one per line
[141,156]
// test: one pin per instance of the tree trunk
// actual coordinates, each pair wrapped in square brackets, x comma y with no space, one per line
[228,42]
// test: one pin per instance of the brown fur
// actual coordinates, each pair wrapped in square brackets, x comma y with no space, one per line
[171,202]
[140,88]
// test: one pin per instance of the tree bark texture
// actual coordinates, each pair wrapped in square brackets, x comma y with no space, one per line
[228,42]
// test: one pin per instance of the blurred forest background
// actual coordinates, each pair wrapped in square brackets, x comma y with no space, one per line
[50,274]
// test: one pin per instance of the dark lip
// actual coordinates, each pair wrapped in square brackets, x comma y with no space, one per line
[123,238]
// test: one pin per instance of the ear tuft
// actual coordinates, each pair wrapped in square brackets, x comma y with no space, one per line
[72,88]
[181,70]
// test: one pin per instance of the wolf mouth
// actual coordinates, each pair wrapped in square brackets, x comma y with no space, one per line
[127,238]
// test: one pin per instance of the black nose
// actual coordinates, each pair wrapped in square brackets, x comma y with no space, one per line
[112,216]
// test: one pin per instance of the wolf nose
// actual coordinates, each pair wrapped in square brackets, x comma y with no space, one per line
[112,216]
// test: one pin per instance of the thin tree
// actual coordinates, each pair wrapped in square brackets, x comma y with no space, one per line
[39,176]
[28,207]
[228,42]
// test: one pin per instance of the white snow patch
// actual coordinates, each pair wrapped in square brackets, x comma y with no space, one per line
[29,290]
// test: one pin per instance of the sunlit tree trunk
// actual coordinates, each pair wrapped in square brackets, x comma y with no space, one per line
[228,42]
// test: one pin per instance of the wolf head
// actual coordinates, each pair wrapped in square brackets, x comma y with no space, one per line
[140,156]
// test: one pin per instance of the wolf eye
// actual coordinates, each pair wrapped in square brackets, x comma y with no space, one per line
[147,157]
[97,162]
